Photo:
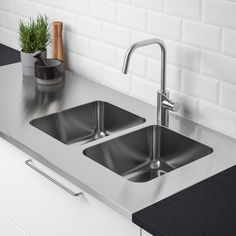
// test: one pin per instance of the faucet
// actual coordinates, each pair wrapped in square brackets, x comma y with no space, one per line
[164,104]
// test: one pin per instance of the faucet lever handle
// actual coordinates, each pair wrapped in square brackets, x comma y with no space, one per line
[169,104]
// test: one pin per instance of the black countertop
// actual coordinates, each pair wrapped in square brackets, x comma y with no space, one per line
[8,55]
[205,209]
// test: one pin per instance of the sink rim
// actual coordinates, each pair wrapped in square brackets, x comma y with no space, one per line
[210,150]
[141,120]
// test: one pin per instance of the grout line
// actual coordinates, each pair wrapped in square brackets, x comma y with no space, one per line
[201,11]
[220,44]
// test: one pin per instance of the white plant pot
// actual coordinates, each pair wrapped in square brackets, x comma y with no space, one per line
[28,61]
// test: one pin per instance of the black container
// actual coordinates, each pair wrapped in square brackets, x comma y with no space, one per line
[49,74]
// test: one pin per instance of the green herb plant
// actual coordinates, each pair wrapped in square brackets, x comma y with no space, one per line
[34,35]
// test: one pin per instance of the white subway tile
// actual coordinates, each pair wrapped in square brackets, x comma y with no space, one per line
[116,35]
[172,74]
[43,10]
[131,17]
[12,21]
[189,106]
[89,69]
[154,5]
[217,118]
[2,18]
[121,1]
[23,8]
[89,27]
[184,8]
[56,3]
[229,42]
[220,13]
[201,35]
[7,5]
[144,90]
[183,56]
[103,9]
[200,86]
[83,66]
[138,63]
[80,6]
[219,66]
[164,26]
[71,61]
[102,52]
[8,37]
[115,79]
[228,96]
[76,43]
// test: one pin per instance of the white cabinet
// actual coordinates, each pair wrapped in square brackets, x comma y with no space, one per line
[41,208]
[7,227]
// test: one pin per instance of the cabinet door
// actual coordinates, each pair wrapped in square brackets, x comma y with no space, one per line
[40,207]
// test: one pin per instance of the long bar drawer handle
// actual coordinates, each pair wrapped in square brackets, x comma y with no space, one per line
[31,164]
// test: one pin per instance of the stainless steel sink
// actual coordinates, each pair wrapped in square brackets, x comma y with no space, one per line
[87,122]
[147,153]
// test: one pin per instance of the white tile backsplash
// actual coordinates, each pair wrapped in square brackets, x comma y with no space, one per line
[2,19]
[172,74]
[229,42]
[154,5]
[131,17]
[228,96]
[164,26]
[102,52]
[114,79]
[217,118]
[116,35]
[23,8]
[220,12]
[103,9]
[200,36]
[88,27]
[190,9]
[12,21]
[200,86]
[144,90]
[219,66]
[7,5]
[79,6]
[82,45]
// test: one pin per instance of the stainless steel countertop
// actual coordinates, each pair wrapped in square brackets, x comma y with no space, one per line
[22,100]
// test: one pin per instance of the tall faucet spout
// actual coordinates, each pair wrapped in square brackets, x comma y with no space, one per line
[163,58]
[164,104]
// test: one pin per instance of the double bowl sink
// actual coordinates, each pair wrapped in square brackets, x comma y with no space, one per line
[138,156]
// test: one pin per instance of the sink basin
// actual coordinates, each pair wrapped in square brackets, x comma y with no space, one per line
[87,122]
[147,153]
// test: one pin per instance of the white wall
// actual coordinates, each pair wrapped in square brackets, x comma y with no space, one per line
[201,42]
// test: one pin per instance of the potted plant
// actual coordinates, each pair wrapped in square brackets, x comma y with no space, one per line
[33,36]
